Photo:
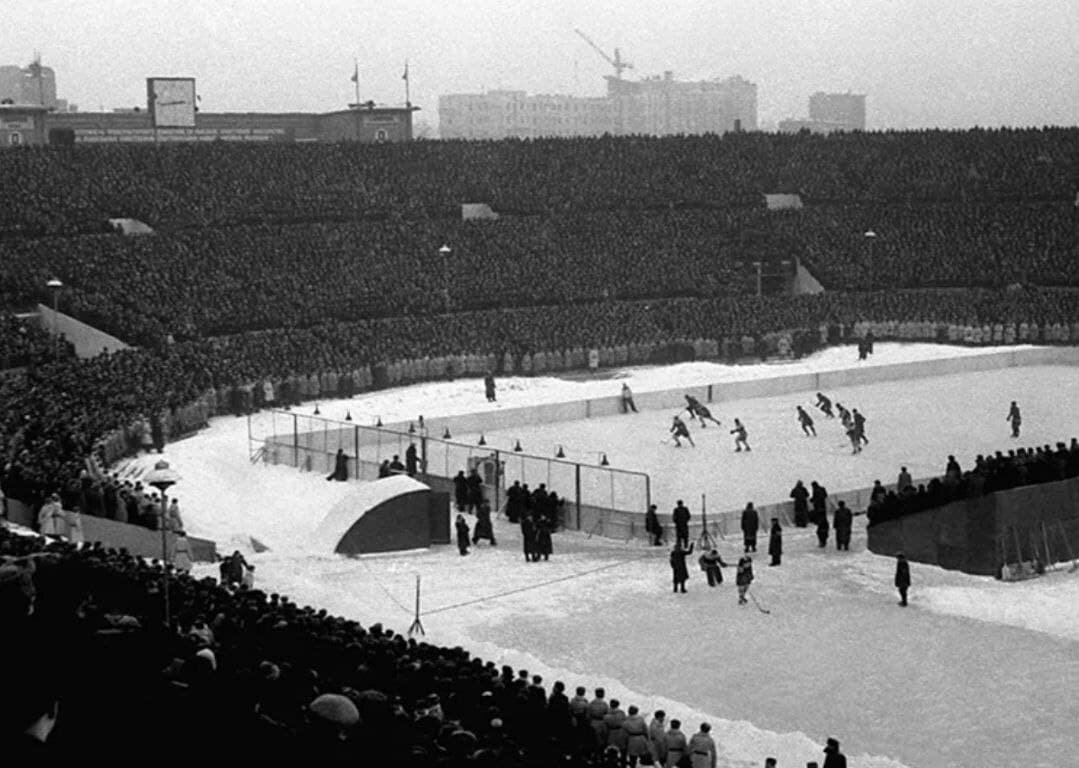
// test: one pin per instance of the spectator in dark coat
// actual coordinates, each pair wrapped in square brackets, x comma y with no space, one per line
[460,491]
[484,529]
[679,571]
[653,527]
[340,467]
[461,526]
[528,537]
[681,524]
[751,523]
[475,490]
[412,462]
[775,542]
[843,520]
[801,504]
[544,546]
[834,758]
[902,577]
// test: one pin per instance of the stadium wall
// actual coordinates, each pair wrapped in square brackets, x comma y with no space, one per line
[981,534]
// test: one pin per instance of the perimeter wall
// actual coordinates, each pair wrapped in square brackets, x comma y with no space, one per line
[621,523]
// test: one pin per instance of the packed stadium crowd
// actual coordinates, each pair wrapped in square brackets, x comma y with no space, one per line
[72,191]
[238,670]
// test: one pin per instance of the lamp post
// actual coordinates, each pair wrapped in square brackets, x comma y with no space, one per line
[870,238]
[758,266]
[444,252]
[162,477]
[55,285]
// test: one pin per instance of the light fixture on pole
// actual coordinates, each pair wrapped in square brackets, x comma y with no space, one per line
[55,285]
[870,237]
[162,477]
[444,252]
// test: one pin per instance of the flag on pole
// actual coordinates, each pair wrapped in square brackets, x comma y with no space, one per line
[356,72]
[405,75]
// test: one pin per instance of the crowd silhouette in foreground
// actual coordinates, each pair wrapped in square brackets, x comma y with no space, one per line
[247,671]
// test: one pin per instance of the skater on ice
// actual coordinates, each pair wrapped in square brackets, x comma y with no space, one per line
[712,563]
[484,529]
[461,525]
[744,577]
[806,421]
[741,437]
[627,399]
[701,412]
[679,429]
[825,405]
[489,386]
[844,414]
[859,426]
[852,435]
[1015,418]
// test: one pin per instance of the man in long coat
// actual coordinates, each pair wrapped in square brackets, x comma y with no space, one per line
[679,572]
[902,577]
[775,542]
[751,522]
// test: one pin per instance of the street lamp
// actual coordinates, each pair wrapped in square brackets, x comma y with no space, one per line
[870,237]
[55,285]
[162,477]
[445,252]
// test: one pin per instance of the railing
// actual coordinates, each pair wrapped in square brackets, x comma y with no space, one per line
[311,443]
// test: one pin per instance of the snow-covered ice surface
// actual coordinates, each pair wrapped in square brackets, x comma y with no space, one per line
[974,673]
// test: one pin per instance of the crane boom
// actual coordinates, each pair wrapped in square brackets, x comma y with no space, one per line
[617,62]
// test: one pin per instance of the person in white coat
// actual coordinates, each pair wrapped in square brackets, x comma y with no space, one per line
[51,520]
[181,552]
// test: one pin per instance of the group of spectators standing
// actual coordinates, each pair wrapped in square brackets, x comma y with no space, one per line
[999,471]
[255,672]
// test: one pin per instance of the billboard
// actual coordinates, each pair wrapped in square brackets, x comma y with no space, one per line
[171,101]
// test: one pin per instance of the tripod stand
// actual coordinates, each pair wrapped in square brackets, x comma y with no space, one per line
[706,542]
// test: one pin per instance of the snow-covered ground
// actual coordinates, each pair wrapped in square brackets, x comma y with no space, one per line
[974,673]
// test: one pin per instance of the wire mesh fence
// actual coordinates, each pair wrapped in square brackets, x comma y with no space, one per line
[311,443]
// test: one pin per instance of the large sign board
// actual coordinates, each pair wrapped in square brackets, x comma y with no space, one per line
[171,101]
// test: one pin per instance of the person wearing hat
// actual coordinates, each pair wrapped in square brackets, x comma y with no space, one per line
[902,577]
[51,520]
[702,748]
[834,758]
[330,717]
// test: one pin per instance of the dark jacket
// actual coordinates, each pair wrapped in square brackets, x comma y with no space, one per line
[751,521]
[902,573]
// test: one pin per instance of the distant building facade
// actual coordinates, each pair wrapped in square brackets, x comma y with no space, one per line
[829,113]
[33,84]
[656,106]
[846,109]
[22,125]
[365,124]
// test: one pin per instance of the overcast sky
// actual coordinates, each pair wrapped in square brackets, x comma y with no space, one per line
[951,63]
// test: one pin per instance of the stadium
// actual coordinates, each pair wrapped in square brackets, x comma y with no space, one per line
[290,300]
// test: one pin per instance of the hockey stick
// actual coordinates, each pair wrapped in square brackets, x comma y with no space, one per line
[760,608]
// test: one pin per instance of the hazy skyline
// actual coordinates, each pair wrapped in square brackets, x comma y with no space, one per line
[922,63]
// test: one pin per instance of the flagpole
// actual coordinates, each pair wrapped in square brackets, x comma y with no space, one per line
[408,98]
[356,80]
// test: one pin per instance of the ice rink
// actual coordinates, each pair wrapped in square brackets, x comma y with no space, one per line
[914,423]
[974,673]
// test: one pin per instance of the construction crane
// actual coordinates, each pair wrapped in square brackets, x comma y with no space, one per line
[617,62]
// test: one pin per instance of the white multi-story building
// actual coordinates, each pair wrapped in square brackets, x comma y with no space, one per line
[655,106]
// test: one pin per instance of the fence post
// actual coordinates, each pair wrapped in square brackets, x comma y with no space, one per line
[577,472]
[648,490]
[498,479]
[356,448]
[295,440]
